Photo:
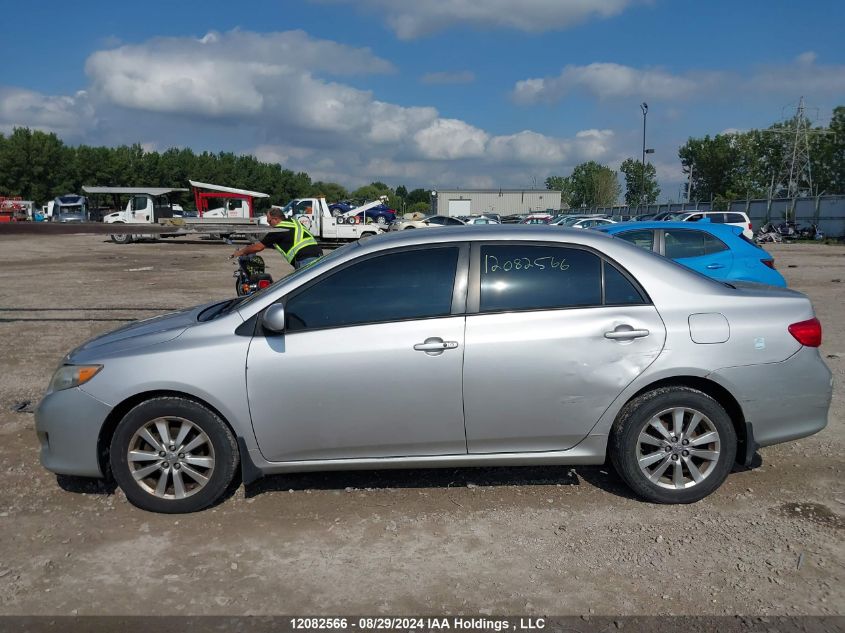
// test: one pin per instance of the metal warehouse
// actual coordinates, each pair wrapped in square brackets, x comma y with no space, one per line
[461,202]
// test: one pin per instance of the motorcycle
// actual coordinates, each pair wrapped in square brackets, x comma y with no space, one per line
[768,234]
[810,233]
[788,229]
[250,276]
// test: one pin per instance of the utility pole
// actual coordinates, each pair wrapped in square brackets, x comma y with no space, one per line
[644,108]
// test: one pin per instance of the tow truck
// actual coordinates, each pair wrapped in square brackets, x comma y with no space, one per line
[331,228]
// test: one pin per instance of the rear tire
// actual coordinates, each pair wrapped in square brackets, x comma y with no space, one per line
[173,455]
[673,445]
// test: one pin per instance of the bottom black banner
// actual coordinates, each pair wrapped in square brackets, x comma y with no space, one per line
[426,623]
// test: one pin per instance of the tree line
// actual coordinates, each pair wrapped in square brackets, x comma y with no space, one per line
[730,166]
[38,166]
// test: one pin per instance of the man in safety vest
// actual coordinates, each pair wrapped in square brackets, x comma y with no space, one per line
[296,244]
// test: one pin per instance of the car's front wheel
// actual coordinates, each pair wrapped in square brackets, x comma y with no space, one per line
[173,455]
[673,445]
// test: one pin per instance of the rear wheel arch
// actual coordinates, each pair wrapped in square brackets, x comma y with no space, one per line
[713,389]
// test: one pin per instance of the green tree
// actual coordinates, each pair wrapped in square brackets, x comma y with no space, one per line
[641,186]
[332,191]
[594,185]
[419,195]
[35,165]
[564,185]
[370,192]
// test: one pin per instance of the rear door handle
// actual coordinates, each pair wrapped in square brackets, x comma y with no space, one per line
[435,345]
[714,266]
[625,334]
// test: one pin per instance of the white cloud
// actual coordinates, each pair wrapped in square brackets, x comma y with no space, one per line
[460,77]
[803,77]
[220,74]
[608,80]
[450,139]
[410,20]
[67,116]
[603,81]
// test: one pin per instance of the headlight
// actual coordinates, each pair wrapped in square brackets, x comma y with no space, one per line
[68,376]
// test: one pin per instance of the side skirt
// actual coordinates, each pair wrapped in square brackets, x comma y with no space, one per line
[591,451]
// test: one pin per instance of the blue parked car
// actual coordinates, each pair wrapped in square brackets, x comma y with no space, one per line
[716,250]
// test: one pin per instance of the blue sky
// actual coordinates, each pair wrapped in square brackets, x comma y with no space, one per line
[429,93]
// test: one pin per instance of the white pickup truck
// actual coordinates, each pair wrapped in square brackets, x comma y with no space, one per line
[327,227]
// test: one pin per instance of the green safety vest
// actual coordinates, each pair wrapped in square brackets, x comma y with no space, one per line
[301,239]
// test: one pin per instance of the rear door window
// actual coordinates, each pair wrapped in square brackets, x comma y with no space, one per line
[642,238]
[680,244]
[528,277]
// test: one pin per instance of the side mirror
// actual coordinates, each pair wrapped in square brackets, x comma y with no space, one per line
[274,318]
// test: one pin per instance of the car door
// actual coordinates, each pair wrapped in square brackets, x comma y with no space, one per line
[369,364]
[698,250]
[553,335]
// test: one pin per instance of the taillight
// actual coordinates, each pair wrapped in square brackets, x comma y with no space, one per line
[807,332]
[769,262]
[263,283]
[749,227]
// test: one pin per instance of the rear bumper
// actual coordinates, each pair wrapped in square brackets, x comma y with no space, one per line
[782,401]
[68,423]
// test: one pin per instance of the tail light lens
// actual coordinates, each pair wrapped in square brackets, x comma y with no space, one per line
[769,262]
[749,227]
[808,333]
[263,283]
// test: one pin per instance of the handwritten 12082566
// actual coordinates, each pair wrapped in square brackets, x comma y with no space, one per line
[492,264]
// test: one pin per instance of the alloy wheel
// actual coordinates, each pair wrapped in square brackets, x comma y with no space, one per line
[678,448]
[171,458]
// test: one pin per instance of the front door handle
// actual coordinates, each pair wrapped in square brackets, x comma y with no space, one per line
[435,345]
[625,334]
[714,266]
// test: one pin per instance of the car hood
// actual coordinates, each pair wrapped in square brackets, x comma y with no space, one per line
[152,331]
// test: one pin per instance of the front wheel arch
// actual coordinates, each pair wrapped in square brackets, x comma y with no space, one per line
[119,412]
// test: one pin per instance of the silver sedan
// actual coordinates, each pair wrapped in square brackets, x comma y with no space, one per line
[543,347]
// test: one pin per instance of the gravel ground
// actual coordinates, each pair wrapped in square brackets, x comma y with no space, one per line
[484,541]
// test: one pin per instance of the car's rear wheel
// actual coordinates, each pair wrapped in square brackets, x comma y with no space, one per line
[173,455]
[673,445]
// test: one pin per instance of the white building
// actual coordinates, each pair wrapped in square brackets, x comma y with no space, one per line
[459,202]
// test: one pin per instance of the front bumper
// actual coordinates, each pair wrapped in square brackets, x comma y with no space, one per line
[783,401]
[68,423]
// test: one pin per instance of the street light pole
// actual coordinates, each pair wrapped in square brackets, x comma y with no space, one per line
[644,108]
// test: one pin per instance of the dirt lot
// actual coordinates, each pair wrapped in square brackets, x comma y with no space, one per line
[518,540]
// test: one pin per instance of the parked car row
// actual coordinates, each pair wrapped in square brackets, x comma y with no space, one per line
[734,218]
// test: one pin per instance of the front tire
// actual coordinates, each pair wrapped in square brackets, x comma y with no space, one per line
[121,238]
[673,445]
[173,455]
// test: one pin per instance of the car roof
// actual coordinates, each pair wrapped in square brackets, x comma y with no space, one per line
[712,227]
